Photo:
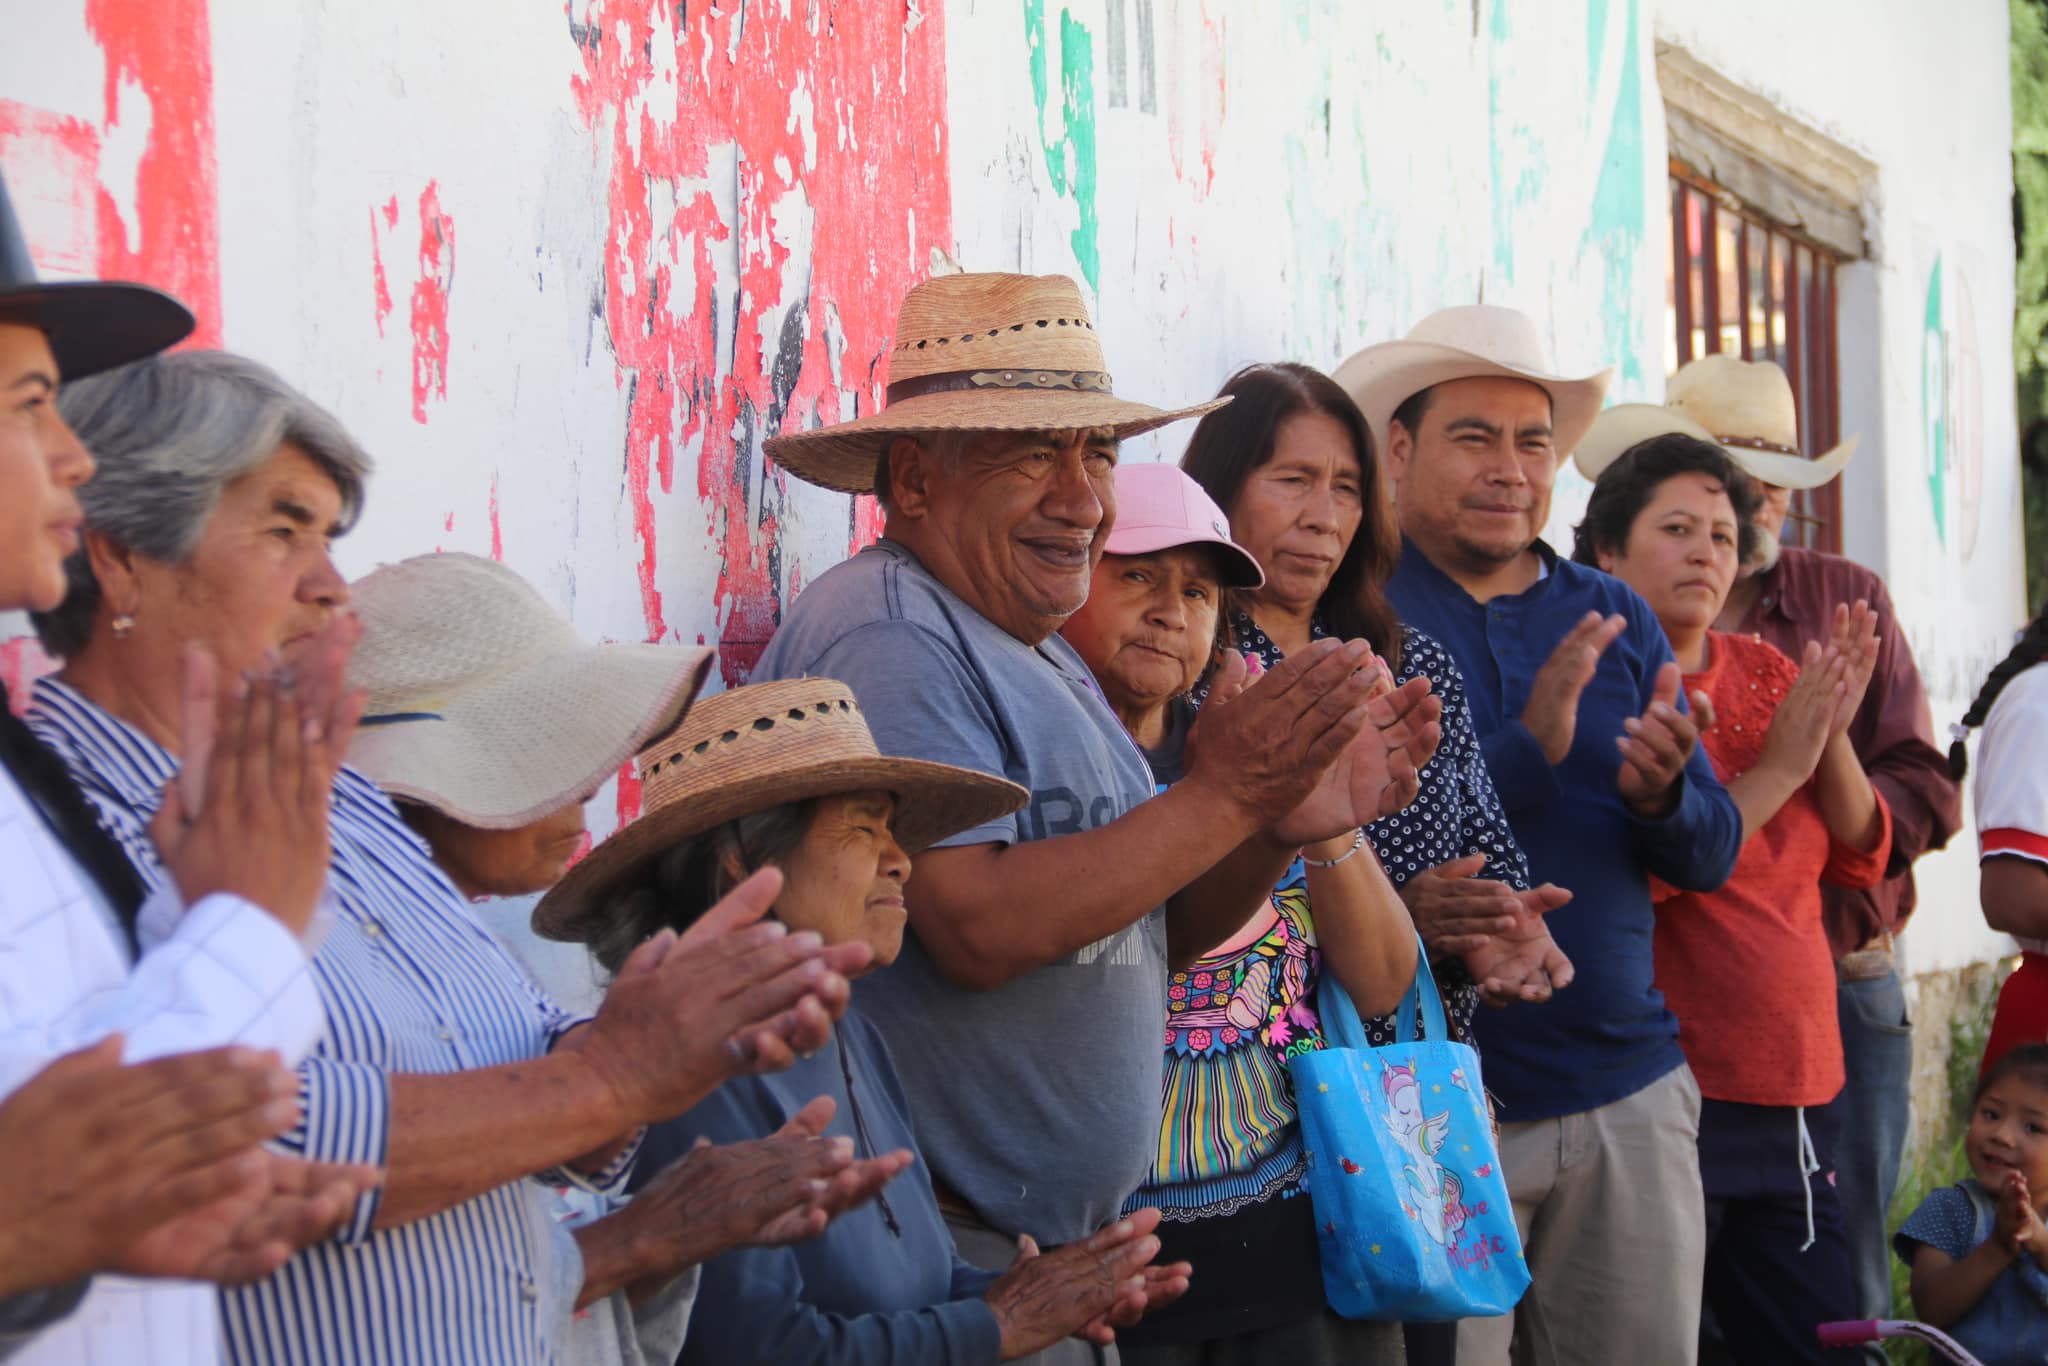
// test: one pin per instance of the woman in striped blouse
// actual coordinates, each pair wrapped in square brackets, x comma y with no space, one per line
[220,491]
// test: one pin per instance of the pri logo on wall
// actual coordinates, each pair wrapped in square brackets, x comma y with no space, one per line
[1952,410]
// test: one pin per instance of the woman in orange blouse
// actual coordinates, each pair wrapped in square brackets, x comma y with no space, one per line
[1747,969]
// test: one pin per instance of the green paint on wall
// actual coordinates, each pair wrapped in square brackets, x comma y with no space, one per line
[1617,224]
[1934,401]
[1077,88]
[1070,159]
[1515,178]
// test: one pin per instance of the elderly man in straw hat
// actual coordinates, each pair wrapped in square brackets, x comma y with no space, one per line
[1577,702]
[1788,598]
[1024,1013]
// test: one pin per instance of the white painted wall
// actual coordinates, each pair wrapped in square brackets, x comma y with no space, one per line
[1236,181]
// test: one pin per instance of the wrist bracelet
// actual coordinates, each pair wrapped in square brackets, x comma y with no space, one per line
[1356,845]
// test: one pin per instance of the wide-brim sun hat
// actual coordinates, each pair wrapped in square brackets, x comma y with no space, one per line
[758,747]
[979,352]
[92,325]
[1627,425]
[1749,409]
[1160,507]
[485,704]
[1472,341]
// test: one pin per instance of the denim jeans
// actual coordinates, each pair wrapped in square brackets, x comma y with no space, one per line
[1877,1049]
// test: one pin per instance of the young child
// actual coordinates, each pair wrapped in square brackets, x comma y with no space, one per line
[1979,1249]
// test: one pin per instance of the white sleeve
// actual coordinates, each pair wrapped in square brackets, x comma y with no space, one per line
[228,973]
[2011,778]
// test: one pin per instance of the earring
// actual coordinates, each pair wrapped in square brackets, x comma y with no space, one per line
[122,625]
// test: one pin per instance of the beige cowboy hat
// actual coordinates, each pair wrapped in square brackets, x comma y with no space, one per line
[979,352]
[484,702]
[758,747]
[1472,341]
[1746,408]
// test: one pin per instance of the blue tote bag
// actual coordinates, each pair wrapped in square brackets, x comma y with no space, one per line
[1412,1213]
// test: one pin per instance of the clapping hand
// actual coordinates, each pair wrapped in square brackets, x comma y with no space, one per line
[1655,749]
[1088,1288]
[734,994]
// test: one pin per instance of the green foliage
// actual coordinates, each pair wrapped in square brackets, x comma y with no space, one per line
[2030,314]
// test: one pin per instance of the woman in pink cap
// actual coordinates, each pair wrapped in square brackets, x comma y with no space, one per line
[1230,1164]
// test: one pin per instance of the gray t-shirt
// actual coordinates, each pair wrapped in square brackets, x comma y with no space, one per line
[1037,1102]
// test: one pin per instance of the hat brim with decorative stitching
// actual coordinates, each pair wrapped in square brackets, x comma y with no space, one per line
[757,747]
[979,352]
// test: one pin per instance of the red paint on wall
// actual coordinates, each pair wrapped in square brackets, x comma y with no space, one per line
[497,532]
[52,164]
[843,103]
[430,302]
[164,48]
[381,297]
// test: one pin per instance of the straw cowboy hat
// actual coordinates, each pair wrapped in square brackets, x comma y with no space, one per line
[974,353]
[759,747]
[484,702]
[1744,407]
[1472,341]
[93,325]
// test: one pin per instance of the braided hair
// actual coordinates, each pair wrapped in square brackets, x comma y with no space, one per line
[2031,649]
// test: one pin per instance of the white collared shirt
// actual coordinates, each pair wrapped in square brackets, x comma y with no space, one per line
[223,972]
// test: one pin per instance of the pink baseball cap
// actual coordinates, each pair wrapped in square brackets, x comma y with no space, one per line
[1159,507]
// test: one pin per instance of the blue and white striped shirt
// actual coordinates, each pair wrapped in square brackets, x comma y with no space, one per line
[411,984]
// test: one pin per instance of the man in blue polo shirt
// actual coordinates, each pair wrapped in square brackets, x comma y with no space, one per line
[1576,699]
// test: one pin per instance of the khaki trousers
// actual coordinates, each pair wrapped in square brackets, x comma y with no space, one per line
[1614,1227]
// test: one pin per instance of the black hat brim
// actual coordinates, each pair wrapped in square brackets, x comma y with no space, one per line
[95,325]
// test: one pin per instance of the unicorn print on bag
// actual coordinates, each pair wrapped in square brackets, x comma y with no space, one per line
[1432,1193]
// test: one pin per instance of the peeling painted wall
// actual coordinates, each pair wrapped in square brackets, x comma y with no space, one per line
[564,266]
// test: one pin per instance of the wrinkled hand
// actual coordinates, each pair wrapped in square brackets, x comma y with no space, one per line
[1455,910]
[281,1206]
[247,813]
[1801,725]
[763,1192]
[1854,636]
[1552,711]
[1265,749]
[1524,963]
[1163,1285]
[1097,1282]
[733,995]
[95,1154]
[1378,773]
[1654,751]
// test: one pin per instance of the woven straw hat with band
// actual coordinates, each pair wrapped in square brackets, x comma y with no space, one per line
[978,353]
[758,747]
[484,702]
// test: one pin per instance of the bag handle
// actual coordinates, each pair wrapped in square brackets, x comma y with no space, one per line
[1343,1029]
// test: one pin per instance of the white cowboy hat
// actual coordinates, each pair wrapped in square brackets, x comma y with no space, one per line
[757,747]
[484,702]
[979,352]
[1749,409]
[1627,425]
[1468,342]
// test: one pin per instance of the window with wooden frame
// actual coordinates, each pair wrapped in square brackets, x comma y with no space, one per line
[1742,285]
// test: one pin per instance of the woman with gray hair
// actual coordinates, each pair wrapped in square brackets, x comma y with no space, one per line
[221,491]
